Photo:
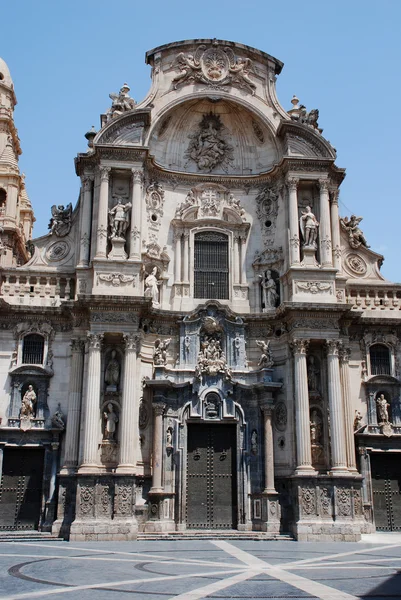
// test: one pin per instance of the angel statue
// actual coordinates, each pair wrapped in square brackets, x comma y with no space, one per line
[266,358]
[355,234]
[309,227]
[160,351]
[60,223]
[187,65]
[121,102]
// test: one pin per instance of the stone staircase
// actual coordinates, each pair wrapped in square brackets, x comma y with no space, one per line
[27,536]
[200,534]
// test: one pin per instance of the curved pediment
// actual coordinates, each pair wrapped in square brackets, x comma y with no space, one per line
[301,140]
[213,136]
[127,129]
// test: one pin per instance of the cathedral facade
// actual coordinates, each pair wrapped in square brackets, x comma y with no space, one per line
[202,342]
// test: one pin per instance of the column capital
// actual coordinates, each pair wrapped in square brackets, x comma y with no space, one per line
[87,181]
[159,408]
[104,173]
[324,185]
[77,345]
[137,175]
[131,341]
[267,407]
[178,236]
[95,340]
[299,346]
[344,353]
[333,347]
[335,193]
[292,182]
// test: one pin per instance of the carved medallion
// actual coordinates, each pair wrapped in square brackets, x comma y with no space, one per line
[356,264]
[214,64]
[280,415]
[57,251]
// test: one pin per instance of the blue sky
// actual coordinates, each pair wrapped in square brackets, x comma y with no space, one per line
[342,57]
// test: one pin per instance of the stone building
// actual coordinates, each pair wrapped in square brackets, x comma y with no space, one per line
[201,342]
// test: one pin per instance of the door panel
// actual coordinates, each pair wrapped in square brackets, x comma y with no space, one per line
[211,476]
[386,485]
[21,488]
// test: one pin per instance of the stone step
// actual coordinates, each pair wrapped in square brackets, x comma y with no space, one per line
[213,535]
[27,536]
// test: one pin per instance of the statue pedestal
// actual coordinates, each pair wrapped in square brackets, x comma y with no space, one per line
[309,257]
[117,249]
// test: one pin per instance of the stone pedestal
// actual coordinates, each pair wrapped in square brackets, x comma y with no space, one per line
[309,256]
[117,251]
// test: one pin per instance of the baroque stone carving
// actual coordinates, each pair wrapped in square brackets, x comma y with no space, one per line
[116,279]
[114,317]
[254,442]
[356,264]
[143,418]
[60,223]
[314,287]
[214,66]
[309,225]
[211,358]
[355,234]
[152,287]
[308,501]
[119,219]
[160,351]
[154,204]
[121,102]
[280,416]
[112,373]
[209,147]
[343,497]
[325,502]
[86,499]
[266,357]
[57,251]
[110,418]
[382,409]
[269,291]
[267,211]
[27,411]
[58,418]
[123,500]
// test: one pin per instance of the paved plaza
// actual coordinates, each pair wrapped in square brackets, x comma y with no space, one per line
[188,570]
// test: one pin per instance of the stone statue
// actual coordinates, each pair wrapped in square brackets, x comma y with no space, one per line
[316,428]
[152,287]
[211,358]
[60,223]
[357,420]
[209,147]
[111,419]
[169,437]
[270,295]
[119,219]
[28,403]
[235,204]
[309,227]
[58,420]
[160,351]
[309,118]
[355,235]
[266,358]
[190,200]
[313,374]
[112,372]
[382,408]
[121,102]
[254,442]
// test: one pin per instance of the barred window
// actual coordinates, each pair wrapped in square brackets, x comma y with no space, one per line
[211,265]
[33,349]
[380,363]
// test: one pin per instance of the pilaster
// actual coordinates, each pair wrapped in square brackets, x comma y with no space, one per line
[101,238]
[325,229]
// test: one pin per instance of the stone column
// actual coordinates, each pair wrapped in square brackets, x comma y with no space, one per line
[157,462]
[267,411]
[236,259]
[292,184]
[86,220]
[325,229]
[242,244]
[129,411]
[186,257]
[74,405]
[337,424]
[12,199]
[103,213]
[349,417]
[92,405]
[302,419]
[178,238]
[136,201]
[335,230]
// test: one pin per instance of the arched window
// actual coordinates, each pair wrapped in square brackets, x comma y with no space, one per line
[211,265]
[3,199]
[33,349]
[380,361]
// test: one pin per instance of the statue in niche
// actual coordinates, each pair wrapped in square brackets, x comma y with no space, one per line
[60,223]
[309,227]
[266,358]
[111,420]
[313,372]
[254,442]
[169,438]
[152,287]
[382,409]
[212,402]
[112,373]
[316,437]
[28,403]
[119,219]
[269,290]
[211,358]
[209,147]
[160,351]
[58,420]
[121,102]
[355,234]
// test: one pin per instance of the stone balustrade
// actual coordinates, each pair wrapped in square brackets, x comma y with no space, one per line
[40,289]
[373,297]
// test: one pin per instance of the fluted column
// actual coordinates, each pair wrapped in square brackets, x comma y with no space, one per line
[349,417]
[86,220]
[335,230]
[74,404]
[136,201]
[302,420]
[325,229]
[186,256]
[92,404]
[129,411]
[157,458]
[178,263]
[337,424]
[292,183]
[103,210]
[267,411]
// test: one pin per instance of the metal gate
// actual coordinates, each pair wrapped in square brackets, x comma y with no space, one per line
[211,265]
[386,485]
[21,488]
[211,477]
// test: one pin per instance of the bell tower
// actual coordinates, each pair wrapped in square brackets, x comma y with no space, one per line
[16,214]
